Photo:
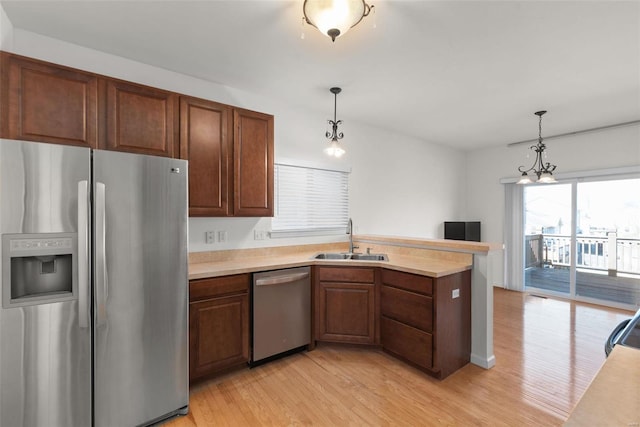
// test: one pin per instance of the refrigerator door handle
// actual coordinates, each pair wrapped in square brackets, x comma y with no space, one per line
[83,254]
[101,256]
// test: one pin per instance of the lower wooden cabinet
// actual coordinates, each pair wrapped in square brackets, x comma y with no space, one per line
[218,324]
[427,321]
[346,305]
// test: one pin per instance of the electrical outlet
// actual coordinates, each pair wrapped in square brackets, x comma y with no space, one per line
[222,236]
[210,237]
[455,293]
[260,234]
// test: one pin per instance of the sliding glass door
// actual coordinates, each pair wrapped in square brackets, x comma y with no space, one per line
[608,241]
[548,227]
[582,240]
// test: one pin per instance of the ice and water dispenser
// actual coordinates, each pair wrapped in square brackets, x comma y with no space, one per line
[38,268]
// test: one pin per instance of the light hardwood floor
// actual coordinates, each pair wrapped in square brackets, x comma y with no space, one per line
[547,353]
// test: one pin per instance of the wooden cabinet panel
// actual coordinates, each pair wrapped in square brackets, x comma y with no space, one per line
[218,286]
[347,313]
[347,274]
[408,281]
[253,163]
[205,139]
[407,307]
[218,334]
[48,103]
[406,342]
[140,119]
[452,322]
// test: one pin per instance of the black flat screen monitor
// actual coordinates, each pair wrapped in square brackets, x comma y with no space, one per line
[462,230]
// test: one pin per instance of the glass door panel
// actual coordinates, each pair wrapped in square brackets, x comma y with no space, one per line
[548,232]
[608,241]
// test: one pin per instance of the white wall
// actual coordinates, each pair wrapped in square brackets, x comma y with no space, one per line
[612,148]
[403,186]
[399,185]
[6,31]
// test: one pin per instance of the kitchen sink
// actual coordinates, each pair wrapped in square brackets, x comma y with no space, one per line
[354,257]
[370,257]
[332,256]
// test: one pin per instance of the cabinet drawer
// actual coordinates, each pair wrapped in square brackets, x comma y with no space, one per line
[348,274]
[409,343]
[408,281]
[407,307]
[206,288]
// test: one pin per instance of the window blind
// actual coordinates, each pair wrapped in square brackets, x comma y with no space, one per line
[310,200]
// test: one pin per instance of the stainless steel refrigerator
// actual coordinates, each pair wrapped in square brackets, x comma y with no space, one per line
[93,324]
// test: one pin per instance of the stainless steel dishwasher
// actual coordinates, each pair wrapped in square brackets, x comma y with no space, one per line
[281,312]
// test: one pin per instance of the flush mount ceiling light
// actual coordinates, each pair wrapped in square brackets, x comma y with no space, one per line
[544,170]
[335,148]
[334,17]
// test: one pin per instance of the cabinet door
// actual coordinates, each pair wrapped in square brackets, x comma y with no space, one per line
[48,103]
[218,334]
[140,119]
[253,163]
[346,313]
[205,140]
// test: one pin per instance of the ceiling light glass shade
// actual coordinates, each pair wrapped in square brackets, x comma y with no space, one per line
[334,17]
[334,149]
[546,178]
[525,179]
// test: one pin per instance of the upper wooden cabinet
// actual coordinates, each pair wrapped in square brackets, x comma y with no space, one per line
[230,153]
[205,140]
[48,103]
[230,150]
[140,119]
[253,163]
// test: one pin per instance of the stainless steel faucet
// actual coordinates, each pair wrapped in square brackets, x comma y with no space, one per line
[350,233]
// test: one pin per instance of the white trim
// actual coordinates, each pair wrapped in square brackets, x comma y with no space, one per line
[312,164]
[619,172]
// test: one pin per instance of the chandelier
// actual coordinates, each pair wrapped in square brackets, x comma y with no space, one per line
[335,148]
[334,18]
[544,170]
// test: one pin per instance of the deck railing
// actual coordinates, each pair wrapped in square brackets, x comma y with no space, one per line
[608,253]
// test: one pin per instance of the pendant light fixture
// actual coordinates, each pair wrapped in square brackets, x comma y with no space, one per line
[544,171]
[334,18]
[335,148]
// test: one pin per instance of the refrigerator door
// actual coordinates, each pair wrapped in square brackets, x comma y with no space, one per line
[141,288]
[45,334]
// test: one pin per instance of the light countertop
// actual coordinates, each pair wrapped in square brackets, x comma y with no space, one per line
[410,264]
[613,398]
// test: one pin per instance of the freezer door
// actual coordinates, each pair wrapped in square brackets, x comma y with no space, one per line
[141,285]
[45,335]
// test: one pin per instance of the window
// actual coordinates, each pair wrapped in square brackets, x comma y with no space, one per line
[310,201]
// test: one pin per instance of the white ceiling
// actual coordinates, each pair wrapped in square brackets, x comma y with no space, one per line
[461,73]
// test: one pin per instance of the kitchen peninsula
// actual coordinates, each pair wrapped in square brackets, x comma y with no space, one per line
[422,257]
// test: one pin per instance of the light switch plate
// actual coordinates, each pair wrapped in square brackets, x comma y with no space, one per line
[210,237]
[455,293]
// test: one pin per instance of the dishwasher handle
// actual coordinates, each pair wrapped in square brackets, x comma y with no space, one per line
[281,279]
